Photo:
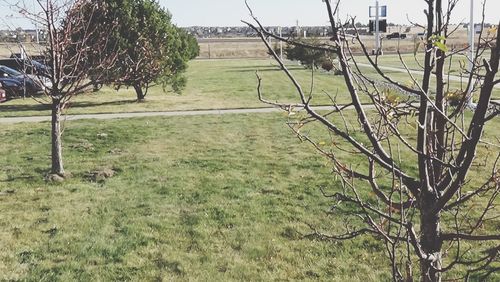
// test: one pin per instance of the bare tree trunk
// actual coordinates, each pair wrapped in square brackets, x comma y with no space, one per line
[430,239]
[443,161]
[57,161]
[140,94]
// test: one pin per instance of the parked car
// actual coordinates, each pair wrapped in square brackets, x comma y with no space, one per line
[17,84]
[35,70]
[395,35]
[29,67]
[13,88]
[3,95]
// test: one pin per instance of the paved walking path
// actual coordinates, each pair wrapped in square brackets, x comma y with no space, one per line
[417,72]
[12,120]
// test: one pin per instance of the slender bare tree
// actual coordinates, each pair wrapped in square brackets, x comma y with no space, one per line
[72,49]
[411,189]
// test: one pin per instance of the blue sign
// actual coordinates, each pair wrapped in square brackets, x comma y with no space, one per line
[382,11]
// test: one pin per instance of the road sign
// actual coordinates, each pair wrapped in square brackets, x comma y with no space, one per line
[382,11]
[378,25]
[382,25]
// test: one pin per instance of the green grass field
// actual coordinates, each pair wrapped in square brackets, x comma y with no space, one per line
[217,84]
[201,198]
[193,198]
[212,85]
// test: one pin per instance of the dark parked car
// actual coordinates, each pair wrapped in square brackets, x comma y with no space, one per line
[395,35]
[13,88]
[3,95]
[26,66]
[17,84]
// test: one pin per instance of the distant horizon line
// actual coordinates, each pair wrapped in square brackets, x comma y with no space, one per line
[396,24]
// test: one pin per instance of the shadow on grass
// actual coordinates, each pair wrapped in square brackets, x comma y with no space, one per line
[73,105]
[23,108]
[22,177]
[109,103]
[265,69]
[37,174]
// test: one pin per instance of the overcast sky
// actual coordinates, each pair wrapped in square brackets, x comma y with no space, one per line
[308,12]
[285,12]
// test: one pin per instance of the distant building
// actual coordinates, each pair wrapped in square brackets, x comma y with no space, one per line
[23,35]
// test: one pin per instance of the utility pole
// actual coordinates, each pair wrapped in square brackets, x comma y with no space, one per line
[471,35]
[36,27]
[281,42]
[377,28]
[37,34]
[377,12]
[471,52]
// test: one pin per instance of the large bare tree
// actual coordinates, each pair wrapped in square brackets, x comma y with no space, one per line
[410,189]
[73,48]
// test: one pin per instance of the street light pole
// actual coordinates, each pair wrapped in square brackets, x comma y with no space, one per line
[36,26]
[471,35]
[37,33]
[281,42]
[377,28]
[471,51]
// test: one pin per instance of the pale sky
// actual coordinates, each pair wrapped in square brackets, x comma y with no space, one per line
[286,12]
[308,12]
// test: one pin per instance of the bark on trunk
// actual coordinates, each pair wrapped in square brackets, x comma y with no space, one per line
[140,94]
[430,240]
[57,161]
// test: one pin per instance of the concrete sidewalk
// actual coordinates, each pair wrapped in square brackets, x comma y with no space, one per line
[12,120]
[417,72]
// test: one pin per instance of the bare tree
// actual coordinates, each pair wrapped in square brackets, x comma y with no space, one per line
[72,49]
[431,211]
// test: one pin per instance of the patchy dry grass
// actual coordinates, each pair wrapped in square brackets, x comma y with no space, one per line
[189,198]
[186,198]
[196,198]
[220,84]
[211,85]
